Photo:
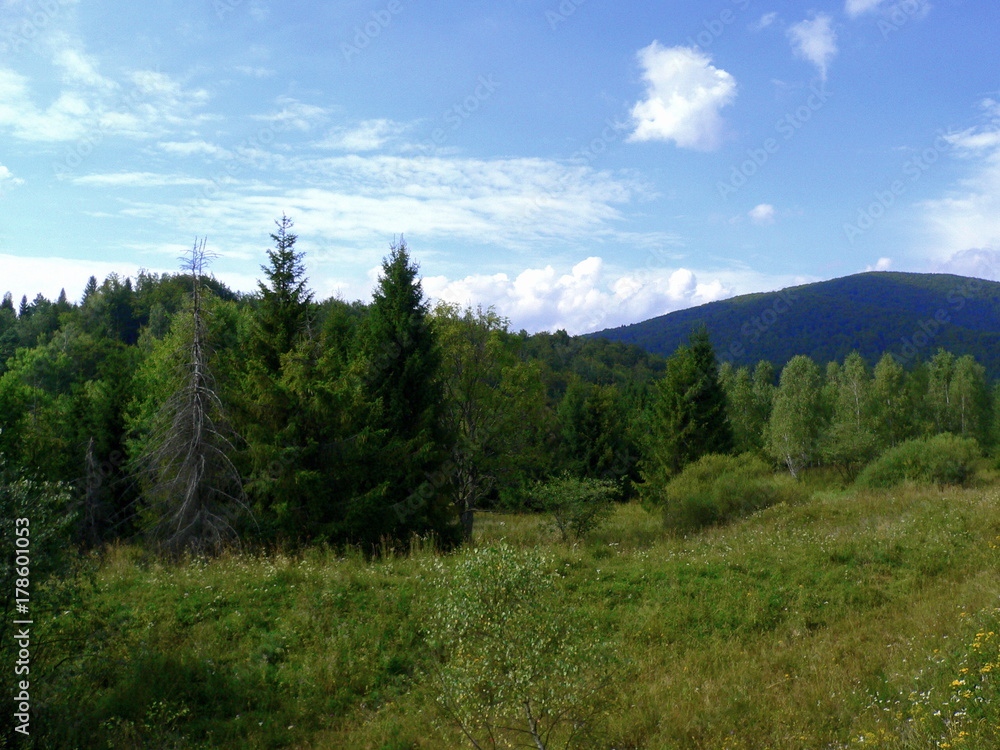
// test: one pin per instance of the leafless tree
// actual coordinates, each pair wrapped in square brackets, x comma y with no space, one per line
[191,486]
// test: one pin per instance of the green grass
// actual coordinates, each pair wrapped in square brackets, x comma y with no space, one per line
[841,622]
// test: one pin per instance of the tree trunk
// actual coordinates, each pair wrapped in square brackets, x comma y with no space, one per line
[467,519]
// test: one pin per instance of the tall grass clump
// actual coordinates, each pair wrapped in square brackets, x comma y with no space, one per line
[942,459]
[718,488]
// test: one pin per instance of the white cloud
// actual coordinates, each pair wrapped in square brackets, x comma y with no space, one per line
[855,8]
[762,214]
[882,264]
[684,94]
[138,179]
[79,68]
[764,22]
[294,115]
[581,300]
[366,136]
[254,71]
[968,216]
[88,103]
[979,262]
[47,276]
[259,11]
[356,201]
[191,148]
[815,41]
[7,179]
[911,9]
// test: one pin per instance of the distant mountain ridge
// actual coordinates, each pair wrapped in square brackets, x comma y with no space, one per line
[910,315]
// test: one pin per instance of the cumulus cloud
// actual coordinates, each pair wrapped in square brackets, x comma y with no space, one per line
[815,41]
[684,96]
[882,264]
[762,214]
[582,300]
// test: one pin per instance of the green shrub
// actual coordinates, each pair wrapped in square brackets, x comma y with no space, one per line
[517,666]
[942,459]
[578,506]
[718,488]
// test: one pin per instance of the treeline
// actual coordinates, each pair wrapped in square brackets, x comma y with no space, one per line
[171,408]
[842,417]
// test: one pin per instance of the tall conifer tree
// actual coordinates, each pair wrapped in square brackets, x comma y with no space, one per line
[402,381]
[689,415]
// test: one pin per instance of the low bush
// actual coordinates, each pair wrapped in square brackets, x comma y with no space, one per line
[942,459]
[718,488]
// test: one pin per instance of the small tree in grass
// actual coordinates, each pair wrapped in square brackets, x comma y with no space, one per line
[515,668]
[578,506]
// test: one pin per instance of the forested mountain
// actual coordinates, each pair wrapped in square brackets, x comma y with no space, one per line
[909,315]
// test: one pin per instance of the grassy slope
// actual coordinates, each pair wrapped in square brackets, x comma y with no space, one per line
[845,621]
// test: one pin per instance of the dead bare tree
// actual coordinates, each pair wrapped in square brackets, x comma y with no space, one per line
[192,489]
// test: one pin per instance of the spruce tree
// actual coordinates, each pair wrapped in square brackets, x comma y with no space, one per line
[688,417]
[273,416]
[408,445]
[285,300]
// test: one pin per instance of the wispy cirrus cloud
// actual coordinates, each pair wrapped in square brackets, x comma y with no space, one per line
[965,222]
[138,179]
[351,203]
[294,115]
[144,104]
[369,135]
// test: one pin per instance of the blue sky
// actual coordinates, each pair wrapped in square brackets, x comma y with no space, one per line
[577,164]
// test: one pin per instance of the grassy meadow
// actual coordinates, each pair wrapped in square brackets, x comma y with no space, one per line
[853,619]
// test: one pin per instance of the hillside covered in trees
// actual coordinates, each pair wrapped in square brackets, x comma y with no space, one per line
[172,409]
[187,457]
[910,315]
[313,420]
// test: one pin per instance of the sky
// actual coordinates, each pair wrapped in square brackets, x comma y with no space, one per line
[577,164]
